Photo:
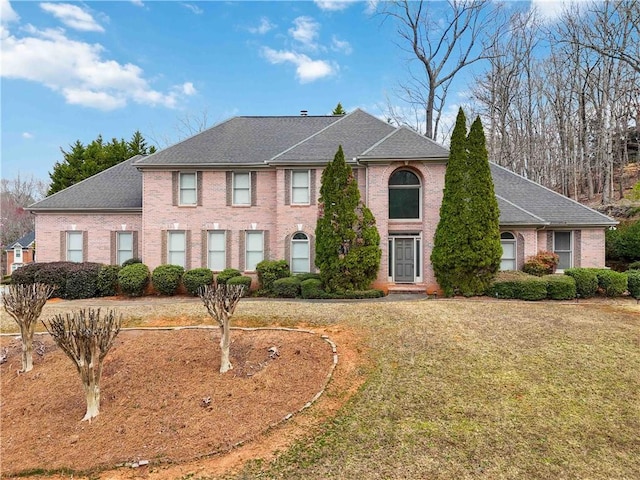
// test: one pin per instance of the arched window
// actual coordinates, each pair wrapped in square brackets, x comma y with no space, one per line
[300,253]
[404,195]
[508,260]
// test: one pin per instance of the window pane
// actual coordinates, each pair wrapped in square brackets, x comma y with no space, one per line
[125,241]
[507,264]
[507,236]
[254,250]
[187,180]
[300,195]
[176,258]
[254,241]
[240,180]
[404,203]
[565,260]
[217,253]
[404,177]
[74,240]
[562,241]
[176,241]
[300,178]
[187,197]
[508,250]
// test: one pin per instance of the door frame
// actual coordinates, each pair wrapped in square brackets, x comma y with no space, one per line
[418,267]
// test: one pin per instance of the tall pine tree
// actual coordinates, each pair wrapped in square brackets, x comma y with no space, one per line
[466,253]
[347,239]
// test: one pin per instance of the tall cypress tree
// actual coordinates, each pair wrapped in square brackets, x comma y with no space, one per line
[466,253]
[347,240]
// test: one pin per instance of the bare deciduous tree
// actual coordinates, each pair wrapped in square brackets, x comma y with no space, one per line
[16,194]
[86,338]
[24,303]
[221,301]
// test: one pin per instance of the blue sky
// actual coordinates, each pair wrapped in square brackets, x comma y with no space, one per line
[73,70]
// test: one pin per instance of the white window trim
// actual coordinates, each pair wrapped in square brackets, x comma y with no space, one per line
[181,188]
[234,188]
[246,248]
[17,254]
[307,241]
[69,235]
[118,249]
[224,249]
[406,187]
[184,249]
[514,241]
[308,188]
[418,247]
[571,247]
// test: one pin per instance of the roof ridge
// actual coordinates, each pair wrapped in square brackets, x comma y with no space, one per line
[379,142]
[551,191]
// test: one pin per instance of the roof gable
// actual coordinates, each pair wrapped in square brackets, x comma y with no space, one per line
[405,143]
[25,241]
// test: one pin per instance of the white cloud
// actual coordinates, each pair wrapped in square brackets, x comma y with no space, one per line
[194,8]
[79,71]
[138,3]
[333,5]
[343,46]
[550,10]
[27,135]
[305,31]
[307,70]
[72,16]
[7,14]
[264,27]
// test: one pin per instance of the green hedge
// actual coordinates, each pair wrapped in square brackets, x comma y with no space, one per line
[26,275]
[131,261]
[226,274]
[612,283]
[108,280]
[268,272]
[241,280]
[307,276]
[197,278]
[311,288]
[82,280]
[288,287]
[54,274]
[133,279]
[633,283]
[518,285]
[586,281]
[560,287]
[634,266]
[166,278]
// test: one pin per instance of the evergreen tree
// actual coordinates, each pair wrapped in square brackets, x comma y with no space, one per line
[347,240]
[466,253]
[339,110]
[84,161]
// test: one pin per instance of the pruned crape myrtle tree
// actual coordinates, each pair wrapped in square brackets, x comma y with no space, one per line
[24,303]
[86,337]
[221,301]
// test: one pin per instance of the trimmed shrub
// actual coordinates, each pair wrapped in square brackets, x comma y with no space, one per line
[166,278]
[623,243]
[307,276]
[288,287]
[131,261]
[26,275]
[226,274]
[560,287]
[194,279]
[241,280]
[108,280]
[82,280]
[586,281]
[133,279]
[632,266]
[544,263]
[362,294]
[613,284]
[633,283]
[269,271]
[55,274]
[518,285]
[311,288]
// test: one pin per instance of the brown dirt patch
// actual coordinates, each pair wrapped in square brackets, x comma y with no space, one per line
[153,390]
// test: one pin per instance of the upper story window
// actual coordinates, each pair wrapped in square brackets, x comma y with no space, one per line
[508,242]
[300,258]
[188,188]
[124,246]
[177,248]
[241,188]
[562,246]
[75,246]
[300,187]
[17,254]
[404,195]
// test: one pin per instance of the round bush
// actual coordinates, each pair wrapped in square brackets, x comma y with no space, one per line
[269,271]
[288,287]
[226,274]
[586,281]
[633,283]
[307,276]
[133,279]
[560,287]
[311,288]
[612,283]
[131,261]
[82,281]
[194,279]
[26,274]
[166,278]
[55,274]
[241,280]
[108,280]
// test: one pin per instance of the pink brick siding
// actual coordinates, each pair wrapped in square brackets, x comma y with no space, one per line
[592,247]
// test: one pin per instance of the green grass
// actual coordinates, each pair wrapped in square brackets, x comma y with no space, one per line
[492,390]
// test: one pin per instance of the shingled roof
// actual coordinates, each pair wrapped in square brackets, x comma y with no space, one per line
[264,141]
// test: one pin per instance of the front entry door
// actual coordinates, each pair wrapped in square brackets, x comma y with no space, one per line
[404,260]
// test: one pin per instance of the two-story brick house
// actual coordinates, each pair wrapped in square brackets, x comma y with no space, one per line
[247,189]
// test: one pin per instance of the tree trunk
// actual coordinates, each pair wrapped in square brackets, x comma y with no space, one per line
[225,363]
[27,347]
[92,392]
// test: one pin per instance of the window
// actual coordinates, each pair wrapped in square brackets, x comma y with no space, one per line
[17,254]
[254,250]
[188,189]
[241,188]
[176,248]
[300,253]
[562,247]
[124,246]
[508,242]
[300,187]
[404,195]
[74,247]
[217,255]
